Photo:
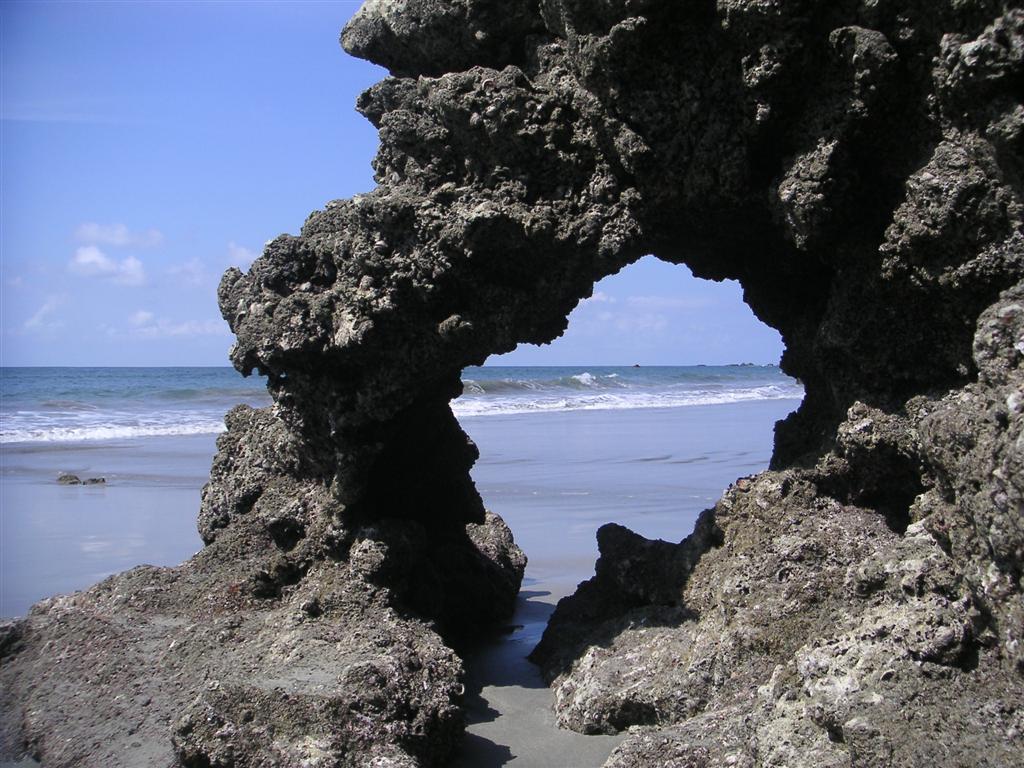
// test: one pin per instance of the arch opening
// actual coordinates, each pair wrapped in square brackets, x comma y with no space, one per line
[663,390]
[654,365]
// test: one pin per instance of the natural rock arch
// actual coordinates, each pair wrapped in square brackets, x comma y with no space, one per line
[857,166]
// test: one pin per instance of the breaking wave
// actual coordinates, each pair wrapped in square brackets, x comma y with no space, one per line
[499,391]
[75,405]
[503,406]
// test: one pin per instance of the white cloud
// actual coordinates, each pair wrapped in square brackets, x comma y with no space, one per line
[164,328]
[634,322]
[90,261]
[41,320]
[648,323]
[130,272]
[239,256]
[192,271]
[142,317]
[147,326]
[599,297]
[631,315]
[117,235]
[668,303]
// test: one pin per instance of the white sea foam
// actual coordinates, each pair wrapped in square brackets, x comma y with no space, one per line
[499,406]
[109,432]
[45,427]
[586,378]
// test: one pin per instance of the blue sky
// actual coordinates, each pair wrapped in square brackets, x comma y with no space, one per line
[145,147]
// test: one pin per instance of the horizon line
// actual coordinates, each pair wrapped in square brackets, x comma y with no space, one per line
[492,365]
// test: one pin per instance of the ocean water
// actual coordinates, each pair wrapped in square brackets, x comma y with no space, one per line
[69,405]
[498,390]
[62,405]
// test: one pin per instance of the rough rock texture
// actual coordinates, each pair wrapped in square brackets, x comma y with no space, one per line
[284,642]
[856,164]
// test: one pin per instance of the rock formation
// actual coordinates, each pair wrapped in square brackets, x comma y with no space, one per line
[856,164]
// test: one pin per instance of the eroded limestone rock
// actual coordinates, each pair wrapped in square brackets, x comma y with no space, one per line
[857,166]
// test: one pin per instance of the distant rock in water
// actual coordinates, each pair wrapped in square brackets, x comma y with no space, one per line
[856,166]
[66,478]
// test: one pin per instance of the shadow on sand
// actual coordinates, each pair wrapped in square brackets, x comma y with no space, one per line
[509,708]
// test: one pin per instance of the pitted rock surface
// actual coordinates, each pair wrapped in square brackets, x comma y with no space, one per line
[856,165]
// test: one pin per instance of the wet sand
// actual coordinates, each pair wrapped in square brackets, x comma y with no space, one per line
[510,719]
[56,539]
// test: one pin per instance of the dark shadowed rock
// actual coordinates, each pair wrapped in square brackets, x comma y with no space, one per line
[856,165]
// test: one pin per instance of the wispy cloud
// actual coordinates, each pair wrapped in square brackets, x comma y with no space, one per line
[90,261]
[193,272]
[145,325]
[668,303]
[43,320]
[599,297]
[239,256]
[635,322]
[141,318]
[117,235]
[605,313]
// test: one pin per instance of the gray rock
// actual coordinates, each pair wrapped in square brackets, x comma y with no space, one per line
[856,166]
